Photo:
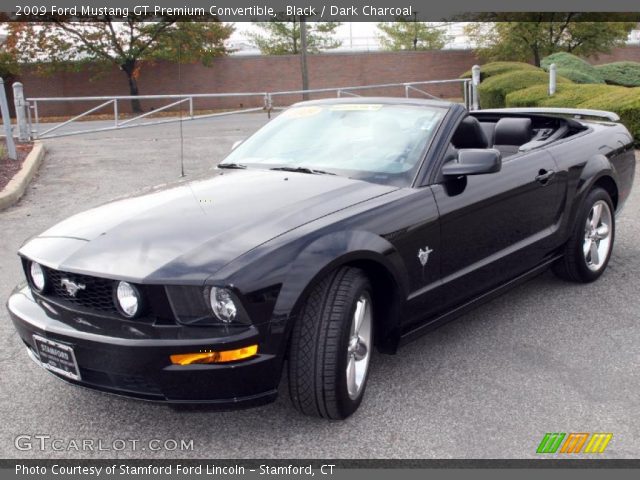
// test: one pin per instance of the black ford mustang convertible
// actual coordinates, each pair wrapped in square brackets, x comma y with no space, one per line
[338,227]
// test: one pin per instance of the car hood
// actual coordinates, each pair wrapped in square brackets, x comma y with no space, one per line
[185,232]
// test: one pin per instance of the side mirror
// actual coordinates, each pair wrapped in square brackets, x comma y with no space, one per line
[236,144]
[474,161]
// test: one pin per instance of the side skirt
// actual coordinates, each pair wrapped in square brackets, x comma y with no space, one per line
[460,310]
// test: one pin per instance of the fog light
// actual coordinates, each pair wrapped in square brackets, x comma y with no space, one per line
[222,304]
[38,279]
[214,357]
[128,299]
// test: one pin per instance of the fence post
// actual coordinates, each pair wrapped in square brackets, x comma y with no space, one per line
[268,104]
[21,112]
[475,81]
[552,79]
[6,119]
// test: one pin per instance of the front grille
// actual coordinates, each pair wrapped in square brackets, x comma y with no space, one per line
[96,295]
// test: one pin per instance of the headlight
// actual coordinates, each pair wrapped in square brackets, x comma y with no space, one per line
[38,279]
[222,304]
[128,299]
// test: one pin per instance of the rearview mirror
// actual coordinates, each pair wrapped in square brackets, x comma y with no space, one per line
[474,161]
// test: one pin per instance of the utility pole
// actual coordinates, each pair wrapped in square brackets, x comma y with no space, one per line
[303,56]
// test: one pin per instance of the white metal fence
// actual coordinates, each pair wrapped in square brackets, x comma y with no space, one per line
[30,125]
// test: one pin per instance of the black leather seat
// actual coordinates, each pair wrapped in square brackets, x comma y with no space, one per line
[469,134]
[511,133]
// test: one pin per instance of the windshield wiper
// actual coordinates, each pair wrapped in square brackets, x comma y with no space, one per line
[231,165]
[303,170]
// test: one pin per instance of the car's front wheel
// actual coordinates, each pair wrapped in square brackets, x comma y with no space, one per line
[587,253]
[331,346]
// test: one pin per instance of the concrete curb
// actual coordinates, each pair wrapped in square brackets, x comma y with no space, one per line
[18,184]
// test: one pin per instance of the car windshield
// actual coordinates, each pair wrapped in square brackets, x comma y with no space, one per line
[379,143]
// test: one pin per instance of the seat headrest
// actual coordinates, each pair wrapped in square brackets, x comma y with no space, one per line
[513,131]
[489,130]
[469,134]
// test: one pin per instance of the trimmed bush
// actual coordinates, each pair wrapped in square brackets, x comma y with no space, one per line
[625,103]
[626,74]
[497,68]
[494,90]
[574,95]
[577,76]
[567,95]
[529,97]
[615,96]
[621,100]
[580,70]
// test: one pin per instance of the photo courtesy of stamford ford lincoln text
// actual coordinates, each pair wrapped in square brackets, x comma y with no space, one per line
[324,238]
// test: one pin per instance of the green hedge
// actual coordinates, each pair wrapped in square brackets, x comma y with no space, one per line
[626,74]
[494,90]
[573,67]
[577,76]
[497,68]
[621,100]
[567,95]
[529,97]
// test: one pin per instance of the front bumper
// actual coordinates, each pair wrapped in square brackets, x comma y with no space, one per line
[136,364]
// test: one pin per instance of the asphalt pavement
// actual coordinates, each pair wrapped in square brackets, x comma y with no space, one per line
[549,356]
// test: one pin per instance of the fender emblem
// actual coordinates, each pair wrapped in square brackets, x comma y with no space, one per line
[71,287]
[423,255]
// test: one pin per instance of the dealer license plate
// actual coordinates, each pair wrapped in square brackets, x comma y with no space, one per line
[57,357]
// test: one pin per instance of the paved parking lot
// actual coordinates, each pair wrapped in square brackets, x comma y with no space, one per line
[547,357]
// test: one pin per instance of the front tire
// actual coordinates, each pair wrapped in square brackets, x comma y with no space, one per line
[587,253]
[331,346]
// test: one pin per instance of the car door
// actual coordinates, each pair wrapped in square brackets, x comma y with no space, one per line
[496,226]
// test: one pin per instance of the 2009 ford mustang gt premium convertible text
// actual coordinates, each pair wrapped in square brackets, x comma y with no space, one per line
[337,227]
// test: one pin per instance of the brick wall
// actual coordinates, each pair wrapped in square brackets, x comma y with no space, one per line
[260,74]
[254,74]
[617,55]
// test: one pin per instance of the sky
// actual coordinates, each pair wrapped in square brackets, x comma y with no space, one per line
[363,33]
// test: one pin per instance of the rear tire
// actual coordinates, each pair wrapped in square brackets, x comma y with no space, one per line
[331,346]
[587,253]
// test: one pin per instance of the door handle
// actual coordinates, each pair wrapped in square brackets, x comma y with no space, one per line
[544,176]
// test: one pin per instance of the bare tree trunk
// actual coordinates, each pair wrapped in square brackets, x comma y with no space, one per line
[536,57]
[130,69]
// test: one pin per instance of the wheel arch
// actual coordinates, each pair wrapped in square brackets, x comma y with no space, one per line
[597,172]
[367,251]
[609,185]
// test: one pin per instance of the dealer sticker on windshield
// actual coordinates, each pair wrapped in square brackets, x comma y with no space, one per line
[301,112]
[57,357]
[352,107]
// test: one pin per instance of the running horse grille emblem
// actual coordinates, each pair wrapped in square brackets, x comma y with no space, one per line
[423,255]
[71,287]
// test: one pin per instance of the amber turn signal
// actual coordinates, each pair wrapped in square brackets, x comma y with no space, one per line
[214,357]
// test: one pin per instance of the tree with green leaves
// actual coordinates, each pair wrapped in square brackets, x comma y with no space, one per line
[407,34]
[281,36]
[535,36]
[58,45]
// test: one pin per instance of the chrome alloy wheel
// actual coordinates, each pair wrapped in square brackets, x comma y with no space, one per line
[597,236]
[359,346]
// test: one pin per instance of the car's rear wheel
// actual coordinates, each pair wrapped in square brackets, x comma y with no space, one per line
[331,346]
[587,253]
